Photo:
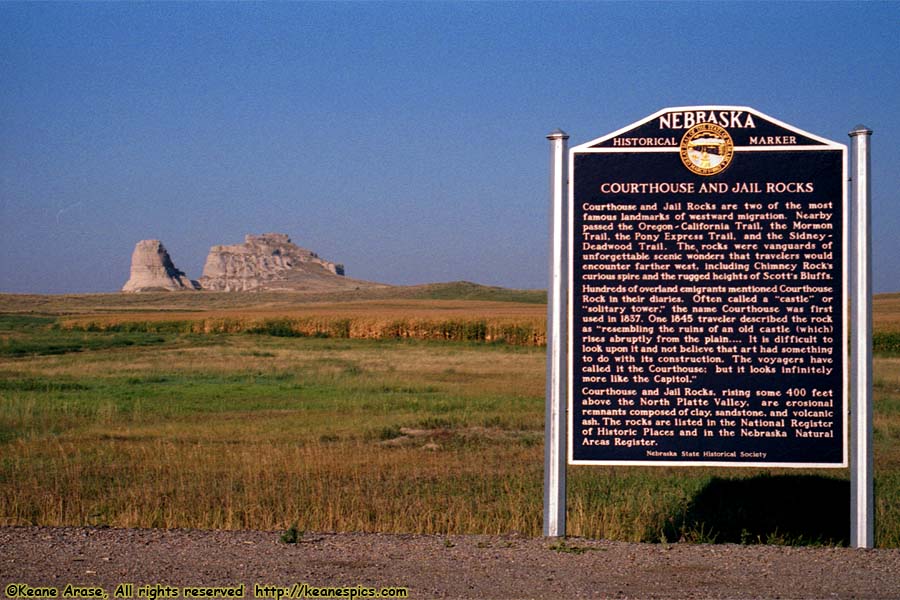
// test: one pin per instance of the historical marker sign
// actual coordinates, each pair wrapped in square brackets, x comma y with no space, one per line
[707,293]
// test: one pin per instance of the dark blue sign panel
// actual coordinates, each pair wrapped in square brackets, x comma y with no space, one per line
[707,294]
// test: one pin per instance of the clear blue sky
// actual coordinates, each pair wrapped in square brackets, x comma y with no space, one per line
[405,140]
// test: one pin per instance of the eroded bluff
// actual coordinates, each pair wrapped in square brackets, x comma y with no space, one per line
[269,261]
[152,270]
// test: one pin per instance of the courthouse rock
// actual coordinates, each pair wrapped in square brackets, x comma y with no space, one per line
[269,262]
[152,270]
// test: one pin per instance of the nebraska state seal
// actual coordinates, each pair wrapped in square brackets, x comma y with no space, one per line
[706,149]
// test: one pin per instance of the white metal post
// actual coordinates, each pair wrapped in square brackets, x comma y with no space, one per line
[862,496]
[555,415]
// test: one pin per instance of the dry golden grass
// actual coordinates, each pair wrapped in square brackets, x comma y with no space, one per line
[262,432]
[510,322]
[128,481]
[886,313]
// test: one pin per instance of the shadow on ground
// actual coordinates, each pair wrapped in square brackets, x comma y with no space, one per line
[773,509]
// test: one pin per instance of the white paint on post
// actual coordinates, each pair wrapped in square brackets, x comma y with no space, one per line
[862,490]
[555,414]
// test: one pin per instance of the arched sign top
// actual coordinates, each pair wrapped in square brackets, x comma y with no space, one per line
[748,128]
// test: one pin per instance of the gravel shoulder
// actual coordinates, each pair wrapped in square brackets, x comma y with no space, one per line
[441,566]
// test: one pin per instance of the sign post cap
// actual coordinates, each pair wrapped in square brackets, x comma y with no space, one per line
[557,134]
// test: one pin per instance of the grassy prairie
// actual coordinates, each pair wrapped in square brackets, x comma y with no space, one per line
[448,320]
[168,302]
[886,313]
[136,426]
[451,312]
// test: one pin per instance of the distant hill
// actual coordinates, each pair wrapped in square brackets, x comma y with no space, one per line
[465,290]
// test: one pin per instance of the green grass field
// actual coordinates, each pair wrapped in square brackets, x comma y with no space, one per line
[145,425]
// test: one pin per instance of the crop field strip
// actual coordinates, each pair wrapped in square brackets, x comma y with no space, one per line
[261,428]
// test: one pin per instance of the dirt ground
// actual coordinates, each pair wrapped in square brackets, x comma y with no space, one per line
[434,566]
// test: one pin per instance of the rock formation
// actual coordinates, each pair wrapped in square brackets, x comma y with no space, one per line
[268,262]
[152,270]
